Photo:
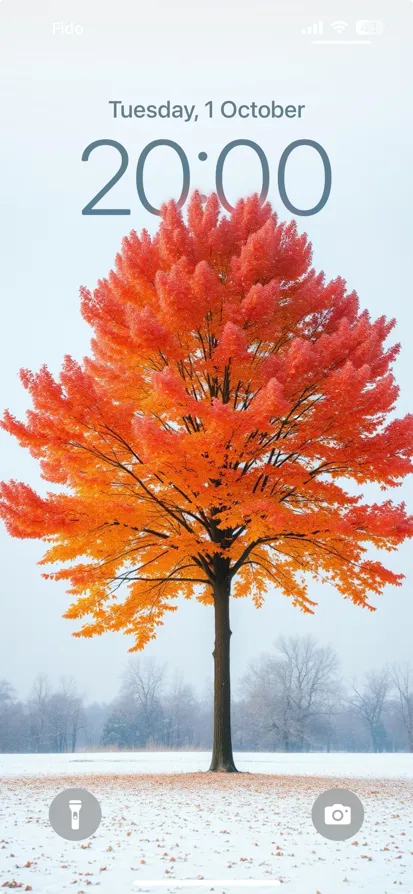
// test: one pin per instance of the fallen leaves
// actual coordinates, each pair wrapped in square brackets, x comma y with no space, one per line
[198,809]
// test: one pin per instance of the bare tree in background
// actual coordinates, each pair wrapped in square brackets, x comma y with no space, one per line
[65,716]
[402,679]
[180,709]
[143,683]
[38,714]
[370,701]
[6,691]
[137,716]
[13,722]
[291,699]
[290,693]
[311,681]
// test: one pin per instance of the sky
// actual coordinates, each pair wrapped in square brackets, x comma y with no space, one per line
[62,63]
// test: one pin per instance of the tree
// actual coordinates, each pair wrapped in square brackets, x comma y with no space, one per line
[137,717]
[65,714]
[119,727]
[12,720]
[289,694]
[143,686]
[402,679]
[6,692]
[38,714]
[205,446]
[54,717]
[181,710]
[308,676]
[370,702]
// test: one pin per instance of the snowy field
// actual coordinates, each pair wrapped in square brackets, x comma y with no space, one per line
[166,820]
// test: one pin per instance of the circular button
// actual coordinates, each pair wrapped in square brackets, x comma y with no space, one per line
[338,814]
[75,814]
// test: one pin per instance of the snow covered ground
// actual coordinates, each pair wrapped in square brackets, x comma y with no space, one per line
[386,766]
[248,832]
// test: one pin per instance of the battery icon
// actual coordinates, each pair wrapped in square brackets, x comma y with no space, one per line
[369,27]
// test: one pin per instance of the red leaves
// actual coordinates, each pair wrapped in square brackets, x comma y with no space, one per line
[206,287]
[232,345]
[272,252]
[229,394]
[270,405]
[261,303]
[149,333]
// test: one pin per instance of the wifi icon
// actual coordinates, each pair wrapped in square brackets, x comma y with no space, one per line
[340,26]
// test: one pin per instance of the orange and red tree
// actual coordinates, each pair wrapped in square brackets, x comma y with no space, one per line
[205,446]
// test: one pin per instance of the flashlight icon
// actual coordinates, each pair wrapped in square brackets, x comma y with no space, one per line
[75,808]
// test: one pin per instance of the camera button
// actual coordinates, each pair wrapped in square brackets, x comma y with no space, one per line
[337,814]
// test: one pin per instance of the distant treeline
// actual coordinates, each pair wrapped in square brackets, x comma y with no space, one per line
[292,699]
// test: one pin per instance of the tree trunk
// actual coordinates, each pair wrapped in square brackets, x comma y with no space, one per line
[222,757]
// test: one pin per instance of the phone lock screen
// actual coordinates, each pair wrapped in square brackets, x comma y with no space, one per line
[206,446]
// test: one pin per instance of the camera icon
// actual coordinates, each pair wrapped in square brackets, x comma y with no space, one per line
[337,815]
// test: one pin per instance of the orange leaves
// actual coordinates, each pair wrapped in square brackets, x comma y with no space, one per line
[229,393]
[232,345]
[148,333]
[172,388]
[27,515]
[174,292]
[268,407]
[260,304]
[186,294]
[274,251]
[206,287]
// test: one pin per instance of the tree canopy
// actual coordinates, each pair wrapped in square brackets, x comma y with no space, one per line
[232,408]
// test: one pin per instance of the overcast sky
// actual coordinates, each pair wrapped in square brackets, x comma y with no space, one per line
[56,92]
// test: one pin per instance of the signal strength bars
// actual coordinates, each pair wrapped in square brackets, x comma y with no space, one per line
[315,30]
